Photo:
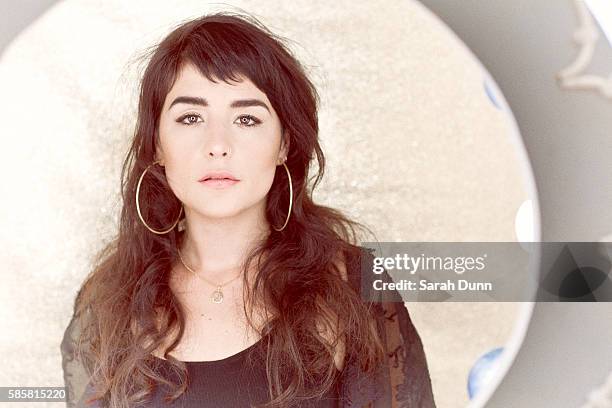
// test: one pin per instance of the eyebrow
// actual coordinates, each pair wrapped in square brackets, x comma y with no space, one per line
[238,103]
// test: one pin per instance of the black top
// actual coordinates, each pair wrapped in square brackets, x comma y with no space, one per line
[234,381]
[401,381]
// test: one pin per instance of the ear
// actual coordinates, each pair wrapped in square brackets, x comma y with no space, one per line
[284,149]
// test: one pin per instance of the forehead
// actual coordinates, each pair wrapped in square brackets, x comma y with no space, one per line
[191,82]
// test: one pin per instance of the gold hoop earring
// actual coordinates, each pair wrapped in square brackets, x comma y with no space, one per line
[290,199]
[138,205]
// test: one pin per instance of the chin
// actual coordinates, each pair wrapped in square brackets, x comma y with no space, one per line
[222,212]
[227,207]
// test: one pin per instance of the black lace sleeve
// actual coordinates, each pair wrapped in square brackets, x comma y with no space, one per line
[403,381]
[76,375]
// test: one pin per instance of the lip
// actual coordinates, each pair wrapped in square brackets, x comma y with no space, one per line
[218,179]
[219,183]
[220,175]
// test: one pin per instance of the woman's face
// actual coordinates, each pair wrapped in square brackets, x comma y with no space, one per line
[217,127]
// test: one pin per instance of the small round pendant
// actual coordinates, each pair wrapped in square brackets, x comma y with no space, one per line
[217,296]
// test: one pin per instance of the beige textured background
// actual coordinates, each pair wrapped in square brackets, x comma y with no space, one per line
[415,148]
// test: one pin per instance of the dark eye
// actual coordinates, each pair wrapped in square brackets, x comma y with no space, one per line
[248,121]
[192,118]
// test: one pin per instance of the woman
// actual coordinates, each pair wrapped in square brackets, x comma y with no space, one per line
[227,286]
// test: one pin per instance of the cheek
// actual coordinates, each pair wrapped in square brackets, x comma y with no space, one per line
[260,172]
[262,148]
[260,167]
[176,180]
[266,179]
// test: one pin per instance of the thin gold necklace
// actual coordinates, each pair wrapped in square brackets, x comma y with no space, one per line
[217,295]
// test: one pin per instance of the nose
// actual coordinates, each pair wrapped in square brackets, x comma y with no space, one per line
[219,151]
[218,144]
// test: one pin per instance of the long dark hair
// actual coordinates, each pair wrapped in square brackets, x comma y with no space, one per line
[299,275]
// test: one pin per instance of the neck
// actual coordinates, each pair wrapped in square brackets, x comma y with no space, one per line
[216,247]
